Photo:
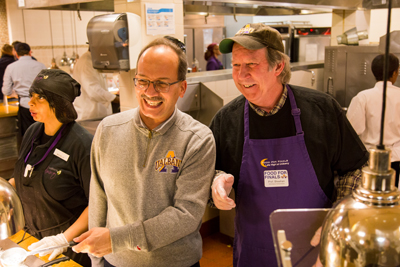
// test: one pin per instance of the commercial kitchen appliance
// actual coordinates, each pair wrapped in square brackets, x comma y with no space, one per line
[303,42]
[347,69]
[309,43]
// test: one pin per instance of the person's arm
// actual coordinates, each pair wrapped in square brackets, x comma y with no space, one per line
[78,227]
[7,82]
[356,114]
[348,182]
[190,199]
[92,82]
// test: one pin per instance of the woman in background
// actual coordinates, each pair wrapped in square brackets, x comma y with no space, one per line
[6,59]
[211,57]
[52,173]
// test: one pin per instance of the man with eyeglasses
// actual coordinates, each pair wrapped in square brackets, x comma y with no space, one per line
[152,170]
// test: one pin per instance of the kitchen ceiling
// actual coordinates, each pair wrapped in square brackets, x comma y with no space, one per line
[226,7]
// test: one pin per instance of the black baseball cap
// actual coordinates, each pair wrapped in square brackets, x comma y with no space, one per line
[254,36]
[58,82]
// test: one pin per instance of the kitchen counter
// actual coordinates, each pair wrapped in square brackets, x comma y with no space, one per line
[9,138]
[10,110]
[218,75]
[28,240]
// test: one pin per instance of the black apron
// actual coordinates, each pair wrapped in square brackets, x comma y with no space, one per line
[44,216]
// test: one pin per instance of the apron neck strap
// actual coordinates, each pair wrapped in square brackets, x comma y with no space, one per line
[295,111]
[48,150]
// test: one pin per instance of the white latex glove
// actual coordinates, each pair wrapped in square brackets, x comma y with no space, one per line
[50,241]
[221,187]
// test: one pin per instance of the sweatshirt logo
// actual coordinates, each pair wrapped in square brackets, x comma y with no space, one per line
[169,160]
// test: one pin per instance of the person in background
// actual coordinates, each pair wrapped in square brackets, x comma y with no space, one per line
[278,145]
[52,172]
[6,59]
[95,101]
[14,45]
[151,172]
[211,56]
[18,77]
[365,111]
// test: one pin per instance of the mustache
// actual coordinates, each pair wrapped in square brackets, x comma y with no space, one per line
[156,98]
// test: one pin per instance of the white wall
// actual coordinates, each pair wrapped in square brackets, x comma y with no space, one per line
[379,23]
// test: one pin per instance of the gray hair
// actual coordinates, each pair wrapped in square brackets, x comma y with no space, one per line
[274,57]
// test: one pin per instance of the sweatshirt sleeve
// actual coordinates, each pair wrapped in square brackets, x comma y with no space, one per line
[97,212]
[189,202]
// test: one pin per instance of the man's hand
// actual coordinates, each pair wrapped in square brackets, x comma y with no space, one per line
[315,242]
[221,188]
[96,241]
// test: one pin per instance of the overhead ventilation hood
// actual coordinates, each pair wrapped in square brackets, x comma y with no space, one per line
[224,7]
[86,5]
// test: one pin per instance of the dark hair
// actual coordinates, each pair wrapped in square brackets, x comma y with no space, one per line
[15,43]
[64,109]
[210,51]
[378,64]
[182,67]
[22,49]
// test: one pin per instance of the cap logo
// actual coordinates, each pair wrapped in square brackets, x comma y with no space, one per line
[45,77]
[245,30]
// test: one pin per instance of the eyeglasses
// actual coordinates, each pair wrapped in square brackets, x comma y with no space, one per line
[176,41]
[159,86]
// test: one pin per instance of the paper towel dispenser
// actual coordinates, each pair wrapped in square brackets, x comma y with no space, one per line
[114,41]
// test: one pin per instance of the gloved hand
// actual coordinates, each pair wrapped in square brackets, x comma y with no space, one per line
[50,241]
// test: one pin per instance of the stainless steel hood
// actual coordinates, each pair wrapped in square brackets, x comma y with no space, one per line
[225,7]
[83,5]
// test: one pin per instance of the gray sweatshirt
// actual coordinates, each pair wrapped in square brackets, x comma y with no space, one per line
[150,188]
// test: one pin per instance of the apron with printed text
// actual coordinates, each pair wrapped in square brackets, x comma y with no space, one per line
[275,174]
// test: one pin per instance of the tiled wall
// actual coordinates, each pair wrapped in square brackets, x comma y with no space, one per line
[3,23]
[226,89]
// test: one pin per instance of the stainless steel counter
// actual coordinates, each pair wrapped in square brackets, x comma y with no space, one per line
[218,75]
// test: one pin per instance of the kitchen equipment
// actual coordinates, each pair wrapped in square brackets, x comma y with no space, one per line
[363,229]
[309,43]
[347,69]
[11,213]
[17,256]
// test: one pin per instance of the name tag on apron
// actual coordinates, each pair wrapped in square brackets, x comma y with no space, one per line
[62,155]
[276,178]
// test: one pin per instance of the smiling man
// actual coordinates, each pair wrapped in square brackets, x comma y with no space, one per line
[152,171]
[278,145]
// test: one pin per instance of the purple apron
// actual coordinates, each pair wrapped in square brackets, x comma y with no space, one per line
[275,174]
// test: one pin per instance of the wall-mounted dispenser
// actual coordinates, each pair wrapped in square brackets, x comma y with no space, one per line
[114,41]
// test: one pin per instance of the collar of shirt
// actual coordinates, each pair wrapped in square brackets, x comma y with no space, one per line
[275,110]
[141,124]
